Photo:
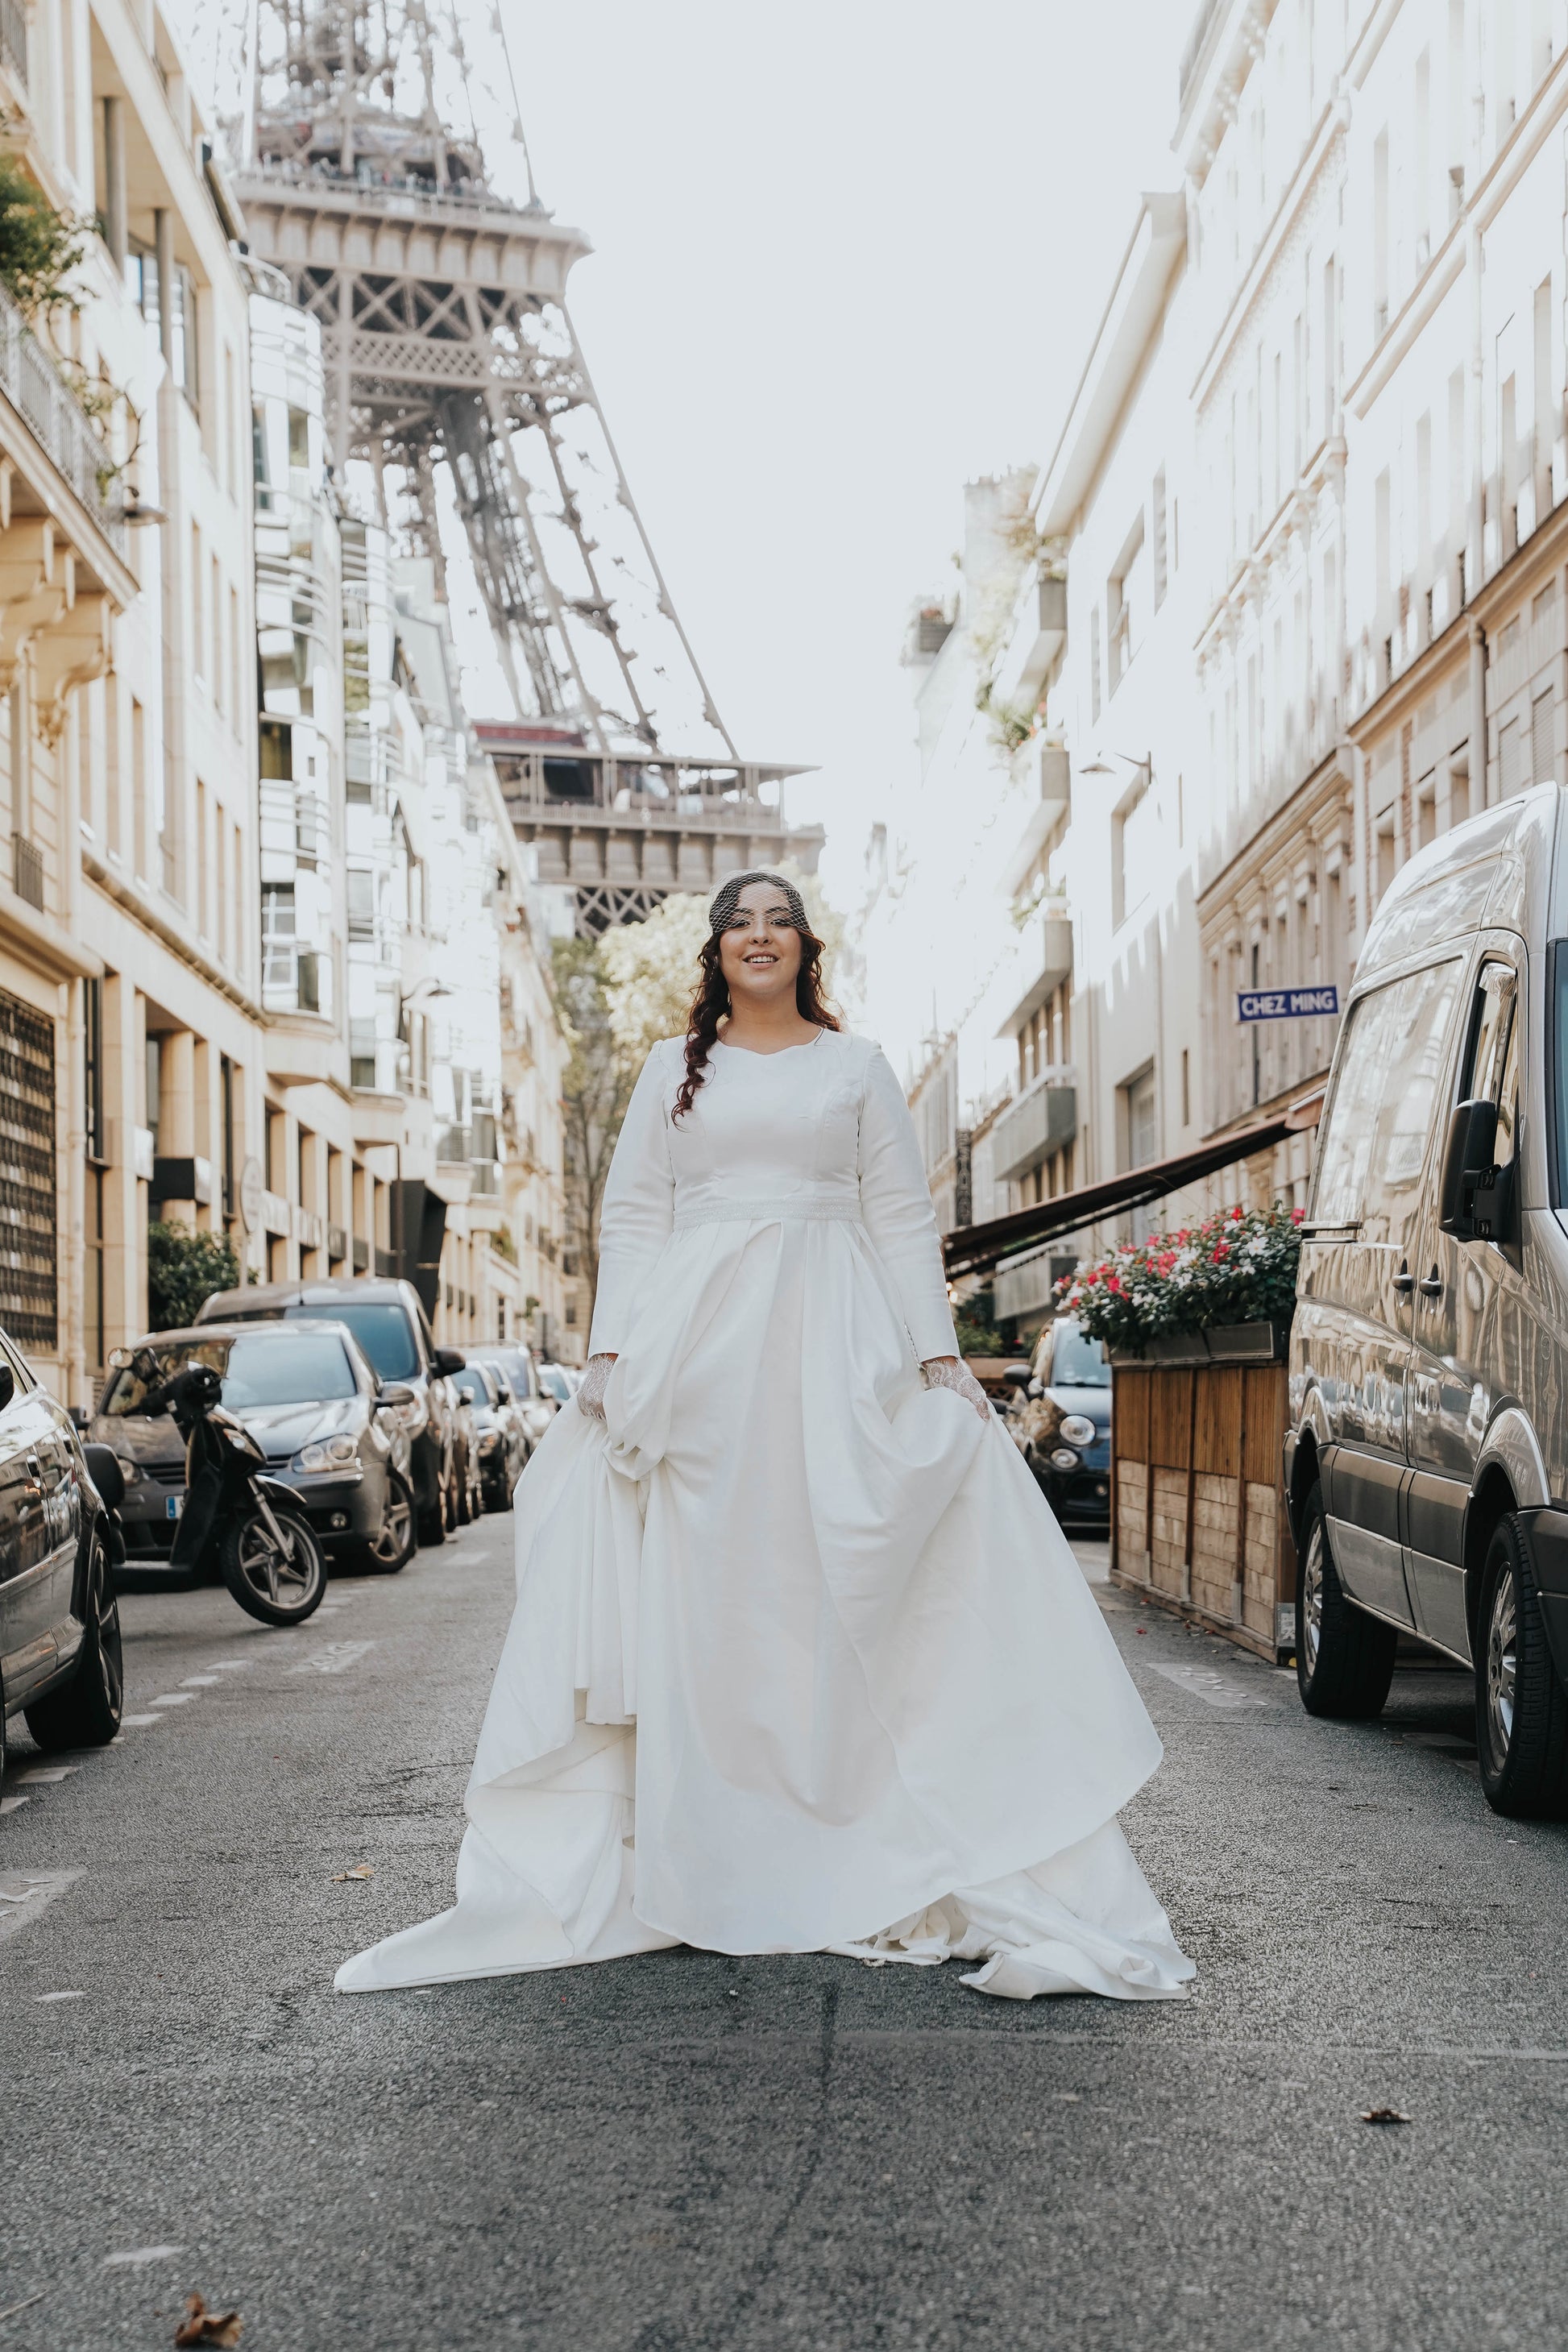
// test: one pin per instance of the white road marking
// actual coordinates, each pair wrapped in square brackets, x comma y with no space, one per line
[126,1721]
[137,2257]
[171,1698]
[11,1804]
[60,1996]
[333,1658]
[45,1773]
[25,1893]
[233,1665]
[1219,1690]
[200,1682]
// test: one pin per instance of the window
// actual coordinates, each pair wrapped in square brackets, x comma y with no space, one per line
[92,1053]
[278,943]
[1160,539]
[1135,854]
[361,903]
[1094,664]
[1128,603]
[1372,1154]
[1491,1065]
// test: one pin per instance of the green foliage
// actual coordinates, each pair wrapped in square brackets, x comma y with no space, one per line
[503,1244]
[39,247]
[183,1269]
[975,1324]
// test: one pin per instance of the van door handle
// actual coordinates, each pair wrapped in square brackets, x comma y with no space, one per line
[1404,1279]
[1432,1288]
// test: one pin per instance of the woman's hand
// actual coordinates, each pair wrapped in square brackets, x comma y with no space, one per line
[595,1381]
[947,1372]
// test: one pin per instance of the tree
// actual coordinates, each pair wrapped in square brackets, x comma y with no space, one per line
[183,1269]
[596,1087]
[39,247]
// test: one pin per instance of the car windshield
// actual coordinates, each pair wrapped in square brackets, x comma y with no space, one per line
[259,1369]
[471,1382]
[382,1328]
[554,1383]
[512,1364]
[1077,1360]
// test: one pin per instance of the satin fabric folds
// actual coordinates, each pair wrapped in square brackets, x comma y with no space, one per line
[800,1659]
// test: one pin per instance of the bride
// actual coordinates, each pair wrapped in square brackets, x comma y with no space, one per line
[800,1660]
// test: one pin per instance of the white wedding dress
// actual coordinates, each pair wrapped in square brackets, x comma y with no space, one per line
[800,1659]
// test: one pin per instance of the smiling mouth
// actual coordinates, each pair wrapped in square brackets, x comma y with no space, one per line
[762,958]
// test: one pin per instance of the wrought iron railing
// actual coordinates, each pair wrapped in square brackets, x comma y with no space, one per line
[32,382]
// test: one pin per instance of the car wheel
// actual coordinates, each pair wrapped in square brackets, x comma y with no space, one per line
[86,1713]
[398,1541]
[1521,1709]
[1344,1659]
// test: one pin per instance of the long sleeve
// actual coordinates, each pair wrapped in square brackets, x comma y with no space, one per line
[638,1211]
[896,1202]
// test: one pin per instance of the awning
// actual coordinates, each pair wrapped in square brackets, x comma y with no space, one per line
[975,1249]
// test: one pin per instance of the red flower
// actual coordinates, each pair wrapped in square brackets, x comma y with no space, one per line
[1223,1250]
[1297,1215]
[1112,1283]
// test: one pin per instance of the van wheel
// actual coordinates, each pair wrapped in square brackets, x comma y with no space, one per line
[1521,1709]
[1345,1659]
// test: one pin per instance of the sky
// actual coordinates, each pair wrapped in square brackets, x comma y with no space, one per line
[848,254]
[846,257]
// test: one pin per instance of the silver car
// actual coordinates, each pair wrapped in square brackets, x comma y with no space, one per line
[1426,1453]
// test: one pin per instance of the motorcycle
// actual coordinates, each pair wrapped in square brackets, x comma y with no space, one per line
[249,1526]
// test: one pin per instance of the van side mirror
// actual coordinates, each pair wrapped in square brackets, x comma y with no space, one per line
[446,1360]
[1467,1202]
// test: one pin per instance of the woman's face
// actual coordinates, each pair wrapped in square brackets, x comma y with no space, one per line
[759,951]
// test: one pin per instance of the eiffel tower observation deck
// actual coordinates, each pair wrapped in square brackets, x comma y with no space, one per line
[455,376]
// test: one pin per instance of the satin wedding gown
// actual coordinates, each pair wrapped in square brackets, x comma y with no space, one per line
[800,1659]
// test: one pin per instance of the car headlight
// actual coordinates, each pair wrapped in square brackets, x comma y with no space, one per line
[130,1471]
[1079,1430]
[327,1453]
[1063,1458]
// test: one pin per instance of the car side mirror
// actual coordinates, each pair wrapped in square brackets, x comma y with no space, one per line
[448,1360]
[7,1384]
[398,1393]
[80,1416]
[1468,1200]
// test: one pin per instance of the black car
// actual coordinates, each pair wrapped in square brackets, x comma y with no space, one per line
[387,1319]
[499,1434]
[309,1399]
[1063,1423]
[59,1621]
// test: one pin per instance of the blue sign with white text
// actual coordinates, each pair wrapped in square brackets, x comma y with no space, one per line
[1287,1003]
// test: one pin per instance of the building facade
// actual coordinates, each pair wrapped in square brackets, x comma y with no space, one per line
[1299,596]
[261,909]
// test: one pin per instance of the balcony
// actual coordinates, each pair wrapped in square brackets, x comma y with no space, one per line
[60,424]
[1039,633]
[1041,1119]
[1044,961]
[1052,775]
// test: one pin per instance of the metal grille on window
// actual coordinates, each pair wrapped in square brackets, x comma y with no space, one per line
[28,1297]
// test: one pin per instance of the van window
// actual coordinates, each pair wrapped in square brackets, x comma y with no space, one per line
[383,1330]
[1493,1062]
[1370,1161]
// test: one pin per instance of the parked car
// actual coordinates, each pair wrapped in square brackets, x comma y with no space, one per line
[1063,1423]
[559,1382]
[537,1407]
[465,1467]
[389,1323]
[310,1397]
[503,1440]
[1426,1452]
[59,1619]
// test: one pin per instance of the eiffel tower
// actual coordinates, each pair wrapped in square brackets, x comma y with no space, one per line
[453,372]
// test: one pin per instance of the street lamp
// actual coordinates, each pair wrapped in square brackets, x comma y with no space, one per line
[1101,767]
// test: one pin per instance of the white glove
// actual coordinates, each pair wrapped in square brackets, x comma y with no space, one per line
[595,1381]
[948,1372]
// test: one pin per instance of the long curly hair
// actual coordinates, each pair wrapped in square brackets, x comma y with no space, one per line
[710,998]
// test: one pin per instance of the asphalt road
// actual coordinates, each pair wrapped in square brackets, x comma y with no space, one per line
[690,2154]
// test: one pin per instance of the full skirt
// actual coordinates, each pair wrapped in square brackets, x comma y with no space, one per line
[800,1661]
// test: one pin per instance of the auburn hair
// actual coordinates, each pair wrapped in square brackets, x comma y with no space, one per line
[710,998]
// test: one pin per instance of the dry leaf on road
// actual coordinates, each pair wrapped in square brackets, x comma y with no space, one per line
[1384,2115]
[360,1870]
[201,2326]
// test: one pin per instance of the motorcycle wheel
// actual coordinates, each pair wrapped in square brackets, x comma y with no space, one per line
[280,1588]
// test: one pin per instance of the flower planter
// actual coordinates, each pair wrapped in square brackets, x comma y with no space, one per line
[1198,1522]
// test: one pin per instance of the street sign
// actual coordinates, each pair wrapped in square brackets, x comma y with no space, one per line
[1287,1003]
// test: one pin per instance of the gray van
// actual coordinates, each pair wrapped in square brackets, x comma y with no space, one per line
[1426,1455]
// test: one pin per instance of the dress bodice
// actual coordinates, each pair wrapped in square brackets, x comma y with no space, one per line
[820,1131]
